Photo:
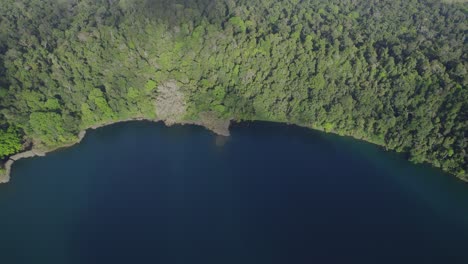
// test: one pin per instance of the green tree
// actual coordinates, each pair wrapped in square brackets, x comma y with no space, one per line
[10,142]
[48,127]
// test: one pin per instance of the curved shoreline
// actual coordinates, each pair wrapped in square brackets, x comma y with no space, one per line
[220,128]
[217,126]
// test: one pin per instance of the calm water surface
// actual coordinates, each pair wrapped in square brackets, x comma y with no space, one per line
[143,193]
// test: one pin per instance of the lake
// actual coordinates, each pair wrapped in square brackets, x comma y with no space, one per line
[140,192]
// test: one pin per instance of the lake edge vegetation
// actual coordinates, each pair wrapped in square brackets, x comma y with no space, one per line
[390,72]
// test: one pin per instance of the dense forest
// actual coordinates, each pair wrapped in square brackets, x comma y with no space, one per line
[392,72]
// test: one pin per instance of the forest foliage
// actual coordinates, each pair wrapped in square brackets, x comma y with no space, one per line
[392,72]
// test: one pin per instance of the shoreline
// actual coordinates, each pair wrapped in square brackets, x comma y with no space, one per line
[463,178]
[219,129]
[218,126]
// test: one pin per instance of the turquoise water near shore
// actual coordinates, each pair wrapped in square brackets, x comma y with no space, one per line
[140,192]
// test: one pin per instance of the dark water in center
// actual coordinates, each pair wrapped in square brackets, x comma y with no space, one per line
[144,193]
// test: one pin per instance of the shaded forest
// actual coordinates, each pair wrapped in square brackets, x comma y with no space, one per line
[392,72]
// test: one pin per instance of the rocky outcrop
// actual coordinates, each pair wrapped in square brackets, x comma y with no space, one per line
[171,108]
[214,123]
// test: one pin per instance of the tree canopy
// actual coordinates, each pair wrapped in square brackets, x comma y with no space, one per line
[10,142]
[392,72]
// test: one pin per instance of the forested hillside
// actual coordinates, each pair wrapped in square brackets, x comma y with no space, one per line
[392,72]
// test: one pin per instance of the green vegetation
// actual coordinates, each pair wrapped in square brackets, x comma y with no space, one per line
[10,142]
[393,72]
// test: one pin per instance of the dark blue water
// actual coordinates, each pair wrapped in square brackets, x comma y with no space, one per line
[144,193]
